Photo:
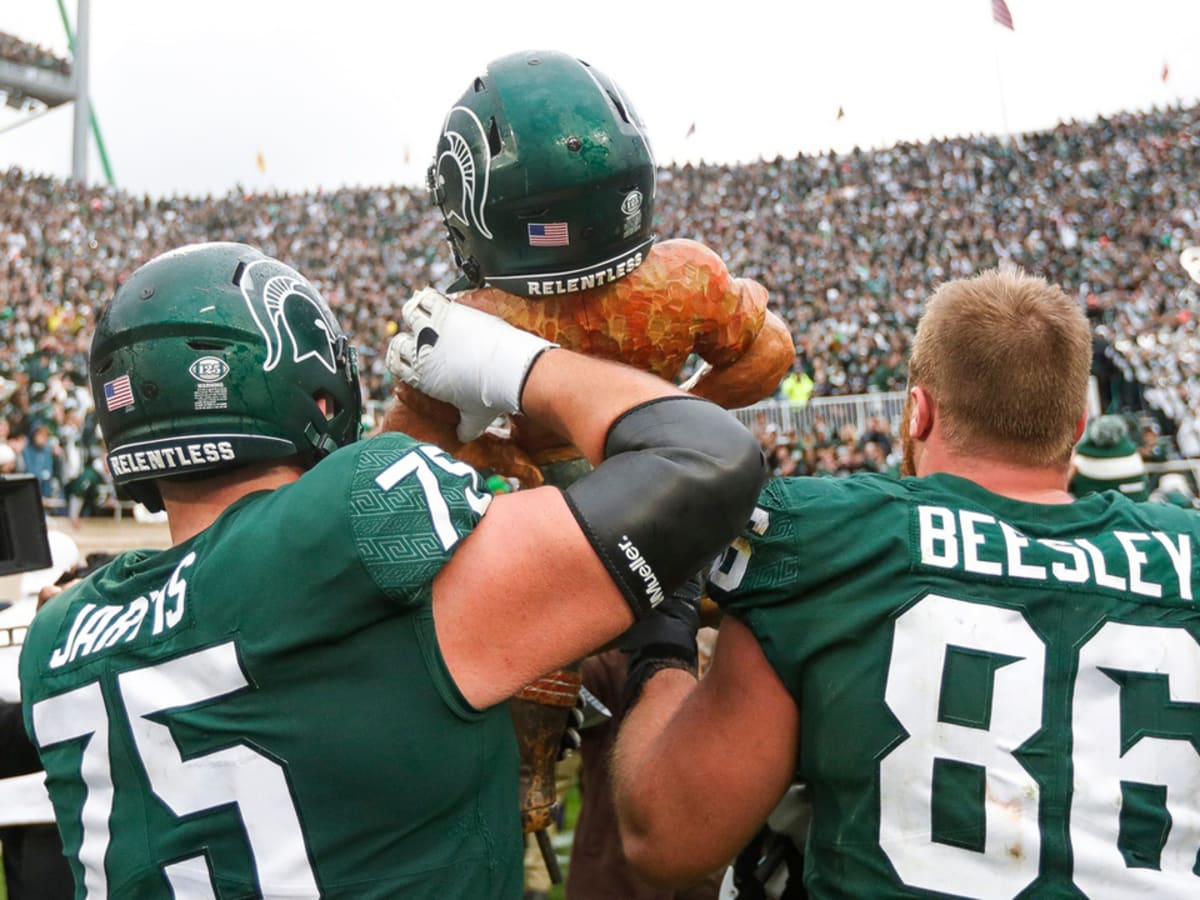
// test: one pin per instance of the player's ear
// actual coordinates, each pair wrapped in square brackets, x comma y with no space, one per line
[1080,425]
[920,413]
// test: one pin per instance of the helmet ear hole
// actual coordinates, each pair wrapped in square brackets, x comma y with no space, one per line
[328,404]
[495,144]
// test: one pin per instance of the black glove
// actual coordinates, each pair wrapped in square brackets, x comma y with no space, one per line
[665,639]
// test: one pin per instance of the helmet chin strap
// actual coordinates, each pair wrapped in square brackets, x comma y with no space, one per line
[470,269]
[323,444]
[145,493]
[471,277]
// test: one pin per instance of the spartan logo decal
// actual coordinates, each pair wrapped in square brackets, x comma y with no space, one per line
[283,304]
[459,175]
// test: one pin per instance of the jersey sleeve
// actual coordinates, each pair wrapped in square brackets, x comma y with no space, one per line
[775,575]
[766,564]
[411,504]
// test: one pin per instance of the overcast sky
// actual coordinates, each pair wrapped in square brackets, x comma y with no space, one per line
[189,92]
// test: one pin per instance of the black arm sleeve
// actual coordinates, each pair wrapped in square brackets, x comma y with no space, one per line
[17,755]
[678,483]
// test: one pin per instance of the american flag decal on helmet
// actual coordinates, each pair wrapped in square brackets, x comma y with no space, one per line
[550,234]
[118,393]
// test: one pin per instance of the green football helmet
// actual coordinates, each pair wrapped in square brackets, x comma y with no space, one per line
[215,355]
[544,177]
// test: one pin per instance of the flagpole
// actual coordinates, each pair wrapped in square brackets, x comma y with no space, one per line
[1003,106]
[1000,83]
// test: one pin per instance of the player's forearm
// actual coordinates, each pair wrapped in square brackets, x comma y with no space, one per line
[580,397]
[698,767]
[653,813]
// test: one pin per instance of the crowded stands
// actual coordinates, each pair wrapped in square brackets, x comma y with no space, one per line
[848,245]
[15,50]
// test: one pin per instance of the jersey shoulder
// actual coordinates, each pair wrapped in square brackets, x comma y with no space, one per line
[803,532]
[410,505]
[836,499]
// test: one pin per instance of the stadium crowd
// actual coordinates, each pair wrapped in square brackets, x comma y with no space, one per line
[14,49]
[848,246]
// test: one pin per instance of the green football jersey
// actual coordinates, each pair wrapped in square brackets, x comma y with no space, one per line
[263,710]
[997,698]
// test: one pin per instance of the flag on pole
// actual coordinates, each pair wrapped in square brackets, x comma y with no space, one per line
[691,130]
[1001,14]
[261,162]
[1166,73]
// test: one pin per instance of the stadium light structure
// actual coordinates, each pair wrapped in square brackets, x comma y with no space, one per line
[25,83]
[39,89]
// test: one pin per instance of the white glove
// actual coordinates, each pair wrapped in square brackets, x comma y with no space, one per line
[463,356]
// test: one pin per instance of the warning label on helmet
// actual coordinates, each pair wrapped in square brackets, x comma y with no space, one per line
[211,396]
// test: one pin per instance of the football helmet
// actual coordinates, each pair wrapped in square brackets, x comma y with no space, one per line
[545,178]
[215,355]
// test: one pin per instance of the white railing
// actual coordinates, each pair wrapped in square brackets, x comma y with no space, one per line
[854,410]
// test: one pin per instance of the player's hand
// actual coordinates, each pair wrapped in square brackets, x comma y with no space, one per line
[463,356]
[664,639]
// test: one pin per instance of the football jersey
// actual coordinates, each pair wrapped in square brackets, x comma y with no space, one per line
[997,698]
[263,710]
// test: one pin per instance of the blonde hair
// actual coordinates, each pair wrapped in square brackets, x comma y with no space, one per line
[1006,358]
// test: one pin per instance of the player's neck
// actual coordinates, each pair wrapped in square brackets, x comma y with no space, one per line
[193,506]
[1044,484]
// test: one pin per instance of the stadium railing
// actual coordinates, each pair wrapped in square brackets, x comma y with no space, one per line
[801,418]
[854,409]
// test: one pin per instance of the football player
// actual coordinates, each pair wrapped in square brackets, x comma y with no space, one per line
[990,688]
[302,696]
